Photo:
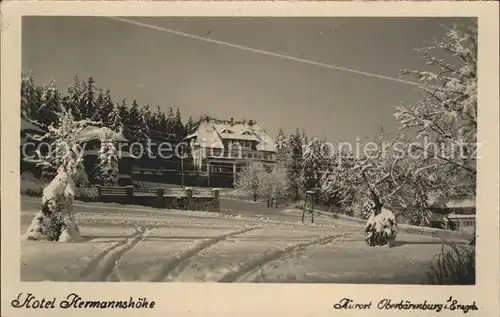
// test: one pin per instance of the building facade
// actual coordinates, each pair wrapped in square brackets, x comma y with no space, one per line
[456,213]
[224,147]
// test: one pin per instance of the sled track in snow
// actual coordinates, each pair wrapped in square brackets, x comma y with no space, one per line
[176,266]
[105,262]
[252,266]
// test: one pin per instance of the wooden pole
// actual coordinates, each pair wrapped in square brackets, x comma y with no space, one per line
[182,167]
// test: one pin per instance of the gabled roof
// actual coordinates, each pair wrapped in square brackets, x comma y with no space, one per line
[212,133]
[207,136]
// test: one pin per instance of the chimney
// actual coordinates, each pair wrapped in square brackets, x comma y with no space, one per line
[232,121]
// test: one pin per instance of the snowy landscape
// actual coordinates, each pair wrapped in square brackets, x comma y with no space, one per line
[125,243]
[234,202]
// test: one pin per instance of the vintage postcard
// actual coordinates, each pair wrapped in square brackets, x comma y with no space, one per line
[239,159]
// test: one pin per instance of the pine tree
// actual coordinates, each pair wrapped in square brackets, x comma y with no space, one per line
[170,122]
[75,98]
[281,144]
[158,125]
[107,168]
[106,108]
[313,164]
[163,123]
[30,97]
[98,107]
[132,122]
[293,164]
[50,103]
[142,133]
[189,125]
[115,120]
[180,131]
[88,107]
[303,138]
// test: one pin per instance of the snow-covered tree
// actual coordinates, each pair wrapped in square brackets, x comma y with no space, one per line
[56,221]
[399,174]
[314,163]
[446,116]
[105,107]
[131,121]
[50,103]
[189,125]
[179,130]
[280,142]
[74,99]
[115,119]
[293,164]
[30,97]
[107,167]
[170,121]
[88,105]
[143,127]
[274,184]
[251,179]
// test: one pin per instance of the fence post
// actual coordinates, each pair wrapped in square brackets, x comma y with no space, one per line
[99,189]
[160,191]
[216,198]
[189,194]
[129,189]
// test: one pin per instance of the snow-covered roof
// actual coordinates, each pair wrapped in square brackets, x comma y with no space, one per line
[207,136]
[452,202]
[461,203]
[266,142]
[97,133]
[211,134]
[236,132]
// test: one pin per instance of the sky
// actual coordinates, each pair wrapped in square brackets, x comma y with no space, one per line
[160,68]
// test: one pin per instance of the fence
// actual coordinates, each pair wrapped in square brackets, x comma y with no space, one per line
[190,178]
[168,198]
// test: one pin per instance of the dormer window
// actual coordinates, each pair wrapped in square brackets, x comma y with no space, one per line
[228,131]
[246,132]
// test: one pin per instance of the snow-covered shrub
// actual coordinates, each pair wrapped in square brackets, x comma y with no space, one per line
[87,193]
[454,265]
[381,227]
